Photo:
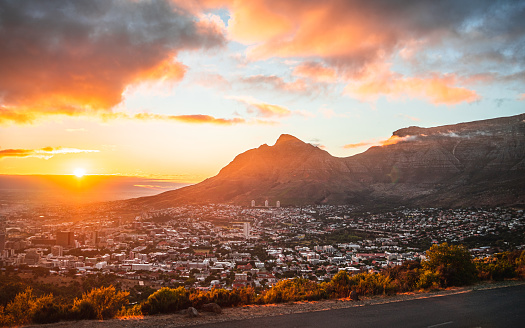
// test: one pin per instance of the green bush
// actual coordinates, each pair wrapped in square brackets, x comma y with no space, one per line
[166,300]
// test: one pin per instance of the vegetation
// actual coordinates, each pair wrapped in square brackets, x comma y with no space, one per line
[452,265]
[446,265]
[100,303]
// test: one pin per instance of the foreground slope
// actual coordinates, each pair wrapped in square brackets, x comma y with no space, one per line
[468,164]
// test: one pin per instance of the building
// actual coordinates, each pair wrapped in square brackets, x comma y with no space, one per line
[95,238]
[266,203]
[278,204]
[57,250]
[2,241]
[66,238]
[253,203]
[246,230]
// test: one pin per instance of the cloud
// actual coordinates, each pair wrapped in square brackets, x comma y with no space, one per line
[154,187]
[386,142]
[76,57]
[339,39]
[45,153]
[357,33]
[277,83]
[191,119]
[408,117]
[316,72]
[261,109]
[330,113]
[439,89]
[213,80]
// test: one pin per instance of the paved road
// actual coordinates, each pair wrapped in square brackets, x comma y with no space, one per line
[502,307]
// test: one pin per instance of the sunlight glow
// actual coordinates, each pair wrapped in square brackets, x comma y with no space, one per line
[79,172]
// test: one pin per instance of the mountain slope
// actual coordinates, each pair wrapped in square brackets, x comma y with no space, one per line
[468,164]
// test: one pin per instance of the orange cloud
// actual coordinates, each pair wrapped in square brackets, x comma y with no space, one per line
[439,89]
[316,72]
[262,109]
[268,110]
[387,142]
[46,152]
[349,36]
[192,119]
[79,63]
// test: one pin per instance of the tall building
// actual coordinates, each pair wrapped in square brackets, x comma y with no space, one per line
[57,250]
[246,230]
[266,203]
[2,241]
[66,238]
[95,238]
[253,203]
[278,204]
[2,233]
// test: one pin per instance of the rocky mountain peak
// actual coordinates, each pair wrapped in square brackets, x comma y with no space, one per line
[287,138]
[479,163]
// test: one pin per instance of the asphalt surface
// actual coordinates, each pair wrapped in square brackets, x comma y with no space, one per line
[501,307]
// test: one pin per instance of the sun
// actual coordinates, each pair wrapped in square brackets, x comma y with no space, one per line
[79,172]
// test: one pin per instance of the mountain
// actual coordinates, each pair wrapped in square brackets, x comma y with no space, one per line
[478,163]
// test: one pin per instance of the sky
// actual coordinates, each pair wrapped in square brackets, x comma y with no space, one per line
[176,89]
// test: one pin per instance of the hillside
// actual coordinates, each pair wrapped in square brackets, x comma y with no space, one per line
[478,163]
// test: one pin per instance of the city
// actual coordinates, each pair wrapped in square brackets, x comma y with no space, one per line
[231,246]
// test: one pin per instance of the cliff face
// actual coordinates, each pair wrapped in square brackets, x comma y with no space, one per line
[467,164]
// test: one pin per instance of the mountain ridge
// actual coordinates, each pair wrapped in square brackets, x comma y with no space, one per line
[480,163]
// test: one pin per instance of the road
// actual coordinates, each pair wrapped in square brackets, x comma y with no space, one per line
[502,307]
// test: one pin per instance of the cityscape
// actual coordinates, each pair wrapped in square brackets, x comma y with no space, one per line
[231,246]
[262,163]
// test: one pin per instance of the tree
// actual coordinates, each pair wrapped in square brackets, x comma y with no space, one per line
[452,263]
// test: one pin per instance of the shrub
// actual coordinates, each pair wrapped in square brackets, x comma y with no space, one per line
[428,280]
[104,302]
[297,289]
[166,300]
[452,263]
[199,298]
[21,307]
[223,297]
[405,277]
[82,310]
[340,285]
[47,312]
[133,312]
[25,308]
[372,284]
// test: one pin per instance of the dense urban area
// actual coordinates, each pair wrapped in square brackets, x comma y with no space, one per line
[234,246]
